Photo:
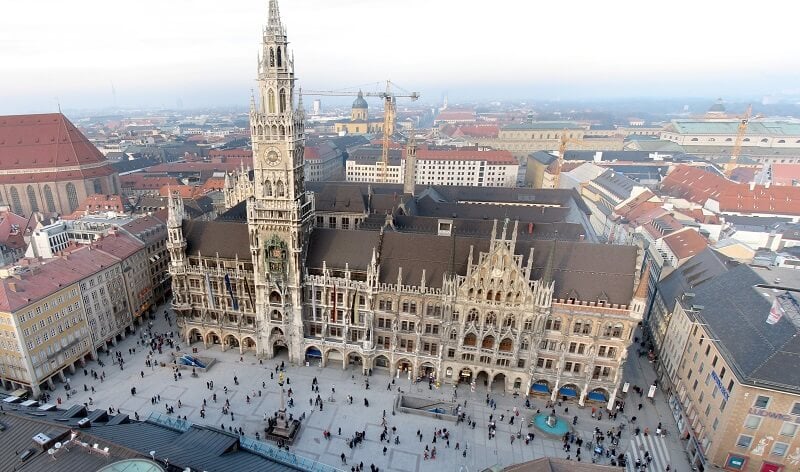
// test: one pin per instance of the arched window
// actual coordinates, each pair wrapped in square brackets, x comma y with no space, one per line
[781,141]
[746,140]
[727,140]
[32,198]
[491,319]
[98,188]
[271,100]
[271,57]
[72,197]
[695,139]
[470,340]
[509,322]
[506,344]
[472,316]
[16,204]
[276,315]
[488,342]
[279,189]
[764,140]
[267,188]
[712,139]
[282,100]
[280,58]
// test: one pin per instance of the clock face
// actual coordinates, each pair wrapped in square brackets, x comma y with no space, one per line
[273,157]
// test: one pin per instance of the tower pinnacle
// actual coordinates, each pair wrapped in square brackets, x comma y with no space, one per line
[274,25]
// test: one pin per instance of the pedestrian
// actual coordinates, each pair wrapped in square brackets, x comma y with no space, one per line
[384,450]
[344,458]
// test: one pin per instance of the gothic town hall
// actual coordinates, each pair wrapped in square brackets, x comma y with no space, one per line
[501,287]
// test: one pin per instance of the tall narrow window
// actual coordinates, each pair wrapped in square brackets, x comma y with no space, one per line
[279,192]
[271,99]
[271,57]
[279,58]
[283,100]
[32,198]
[267,188]
[98,188]
[16,204]
[72,197]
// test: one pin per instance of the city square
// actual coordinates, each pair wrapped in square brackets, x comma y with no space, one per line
[258,394]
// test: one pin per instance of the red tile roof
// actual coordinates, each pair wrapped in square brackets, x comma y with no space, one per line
[44,141]
[694,184]
[12,229]
[785,174]
[456,115]
[246,154]
[142,181]
[698,185]
[685,243]
[185,191]
[229,165]
[477,131]
[41,279]
[214,183]
[100,202]
[638,206]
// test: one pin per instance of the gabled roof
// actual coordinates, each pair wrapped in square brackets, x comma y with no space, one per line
[739,301]
[695,272]
[694,184]
[685,243]
[209,238]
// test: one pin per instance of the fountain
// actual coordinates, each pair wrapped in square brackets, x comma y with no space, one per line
[551,425]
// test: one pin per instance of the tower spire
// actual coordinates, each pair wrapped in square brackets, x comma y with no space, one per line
[547,275]
[274,25]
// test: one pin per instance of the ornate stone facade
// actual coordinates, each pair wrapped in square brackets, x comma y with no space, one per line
[520,314]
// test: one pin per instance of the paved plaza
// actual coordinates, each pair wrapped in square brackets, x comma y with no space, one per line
[407,456]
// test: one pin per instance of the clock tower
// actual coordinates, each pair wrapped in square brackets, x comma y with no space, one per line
[279,213]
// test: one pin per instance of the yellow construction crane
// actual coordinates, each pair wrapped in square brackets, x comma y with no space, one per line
[737,146]
[562,148]
[389,113]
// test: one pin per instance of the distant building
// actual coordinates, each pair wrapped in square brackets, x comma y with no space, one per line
[360,122]
[47,165]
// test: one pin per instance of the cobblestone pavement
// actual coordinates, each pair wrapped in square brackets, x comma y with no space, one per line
[407,456]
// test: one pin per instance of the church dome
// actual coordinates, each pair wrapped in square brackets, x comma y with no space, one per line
[360,102]
[717,107]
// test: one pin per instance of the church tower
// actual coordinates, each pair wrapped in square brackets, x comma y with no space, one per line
[279,213]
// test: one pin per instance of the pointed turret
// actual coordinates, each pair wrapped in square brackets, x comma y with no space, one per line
[547,274]
[274,25]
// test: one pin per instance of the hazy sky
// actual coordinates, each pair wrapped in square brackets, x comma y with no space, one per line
[203,52]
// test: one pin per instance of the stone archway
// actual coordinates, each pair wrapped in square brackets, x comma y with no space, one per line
[334,355]
[249,344]
[427,371]
[381,362]
[569,392]
[404,366]
[279,347]
[194,336]
[541,387]
[213,338]
[313,354]
[482,379]
[231,342]
[498,384]
[466,375]
[598,395]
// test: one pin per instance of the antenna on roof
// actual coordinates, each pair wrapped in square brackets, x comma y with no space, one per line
[58,104]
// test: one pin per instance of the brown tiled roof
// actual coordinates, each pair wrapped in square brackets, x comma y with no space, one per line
[100,202]
[141,181]
[42,279]
[693,184]
[785,174]
[211,237]
[685,243]
[12,229]
[697,185]
[42,141]
[581,270]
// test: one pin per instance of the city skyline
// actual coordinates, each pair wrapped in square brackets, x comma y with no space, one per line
[107,56]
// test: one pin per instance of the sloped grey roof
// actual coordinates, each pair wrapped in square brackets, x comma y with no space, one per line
[587,271]
[735,308]
[690,276]
[229,239]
